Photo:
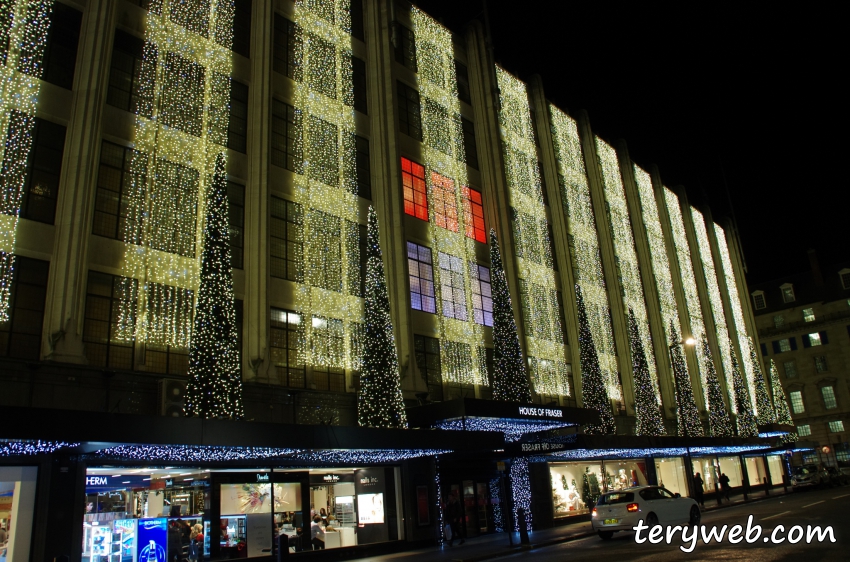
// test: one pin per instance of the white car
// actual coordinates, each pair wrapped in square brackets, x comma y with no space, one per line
[621,510]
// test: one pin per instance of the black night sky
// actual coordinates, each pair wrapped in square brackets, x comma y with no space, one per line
[744,96]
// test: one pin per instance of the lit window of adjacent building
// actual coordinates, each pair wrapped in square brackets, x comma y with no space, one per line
[784,345]
[820,364]
[452,290]
[836,426]
[328,353]
[810,458]
[808,315]
[415,189]
[759,301]
[444,202]
[787,293]
[814,339]
[482,295]
[420,270]
[427,352]
[473,215]
[804,430]
[790,369]
[285,348]
[829,401]
[842,452]
[797,402]
[778,321]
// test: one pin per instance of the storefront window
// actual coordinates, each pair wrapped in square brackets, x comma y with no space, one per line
[708,470]
[17,501]
[756,472]
[731,467]
[671,475]
[776,467]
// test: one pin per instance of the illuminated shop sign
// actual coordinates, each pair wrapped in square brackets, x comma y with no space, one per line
[541,412]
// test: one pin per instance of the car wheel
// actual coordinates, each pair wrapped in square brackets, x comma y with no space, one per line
[605,535]
[695,516]
[652,520]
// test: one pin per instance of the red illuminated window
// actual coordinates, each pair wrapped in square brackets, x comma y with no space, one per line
[444,201]
[473,215]
[415,191]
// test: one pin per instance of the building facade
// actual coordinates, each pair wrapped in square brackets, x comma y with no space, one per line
[115,111]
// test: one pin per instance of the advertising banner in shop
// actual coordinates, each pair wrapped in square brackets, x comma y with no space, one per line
[126,529]
[153,539]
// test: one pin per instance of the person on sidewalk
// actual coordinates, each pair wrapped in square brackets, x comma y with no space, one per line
[454,514]
[724,486]
[698,490]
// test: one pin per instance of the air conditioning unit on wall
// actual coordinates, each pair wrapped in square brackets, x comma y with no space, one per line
[172,393]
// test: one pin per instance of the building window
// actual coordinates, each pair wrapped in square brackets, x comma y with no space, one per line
[181,193]
[237,127]
[808,315]
[242,29]
[358,68]
[452,291]
[463,92]
[427,352]
[844,275]
[469,146]
[20,335]
[357,20]
[820,364]
[784,345]
[405,47]
[286,240]
[813,339]
[328,349]
[166,359]
[103,347]
[421,273]
[804,430]
[482,295]
[759,300]
[286,136]
[364,168]
[842,452]
[115,186]
[323,139]
[829,401]
[322,57]
[473,214]
[124,73]
[444,202]
[325,245]
[836,426]
[60,52]
[236,222]
[409,112]
[285,351]
[286,49]
[810,458]
[790,369]
[797,402]
[41,183]
[787,293]
[778,321]
[415,189]
[182,96]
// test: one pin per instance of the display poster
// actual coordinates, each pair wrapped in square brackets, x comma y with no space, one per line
[423,506]
[371,492]
[153,537]
[370,508]
[259,534]
[127,529]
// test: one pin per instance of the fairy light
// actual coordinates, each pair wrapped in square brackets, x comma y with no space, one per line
[780,401]
[180,130]
[617,453]
[496,505]
[23,30]
[187,453]
[534,253]
[746,420]
[513,429]
[28,448]
[326,186]
[737,316]
[624,249]
[584,244]
[766,411]
[358,456]
[521,490]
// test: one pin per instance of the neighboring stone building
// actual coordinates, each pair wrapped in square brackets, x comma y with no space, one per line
[804,326]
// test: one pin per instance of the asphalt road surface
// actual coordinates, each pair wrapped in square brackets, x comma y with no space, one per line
[829,507]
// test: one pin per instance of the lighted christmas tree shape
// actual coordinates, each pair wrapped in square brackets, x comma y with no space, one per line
[380,402]
[718,417]
[646,404]
[510,379]
[215,380]
[780,402]
[593,391]
[746,421]
[687,413]
[764,407]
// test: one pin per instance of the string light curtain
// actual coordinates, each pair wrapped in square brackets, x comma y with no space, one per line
[628,269]
[584,244]
[744,342]
[538,288]
[180,131]
[326,185]
[23,34]
[456,278]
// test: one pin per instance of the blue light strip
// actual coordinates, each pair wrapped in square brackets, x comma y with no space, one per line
[580,454]
[18,448]
[521,490]
[513,429]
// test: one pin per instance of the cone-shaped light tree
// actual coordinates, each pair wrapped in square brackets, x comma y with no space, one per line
[593,393]
[646,404]
[510,378]
[380,402]
[764,407]
[718,417]
[687,413]
[215,381]
[747,426]
[780,402]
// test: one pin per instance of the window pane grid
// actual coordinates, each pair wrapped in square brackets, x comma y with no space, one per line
[836,426]
[409,112]
[286,136]
[444,202]
[285,348]
[452,291]
[421,275]
[286,240]
[415,189]
[482,296]
[829,397]
[473,215]
[427,352]
[797,402]
[20,336]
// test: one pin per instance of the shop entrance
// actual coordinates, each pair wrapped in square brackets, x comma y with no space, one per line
[477,506]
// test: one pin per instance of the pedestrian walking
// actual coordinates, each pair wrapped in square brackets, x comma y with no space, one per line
[699,491]
[724,486]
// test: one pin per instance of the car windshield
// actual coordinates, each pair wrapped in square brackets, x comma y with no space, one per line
[617,497]
[802,471]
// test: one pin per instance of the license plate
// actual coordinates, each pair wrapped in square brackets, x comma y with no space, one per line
[611,521]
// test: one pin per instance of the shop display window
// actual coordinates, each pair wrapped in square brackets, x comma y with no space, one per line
[707,468]
[776,466]
[17,502]
[671,475]
[731,467]
[756,472]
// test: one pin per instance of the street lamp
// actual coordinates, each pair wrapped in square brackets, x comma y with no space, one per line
[679,407]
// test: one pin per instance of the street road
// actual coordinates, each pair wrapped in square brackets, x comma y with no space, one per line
[829,507]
